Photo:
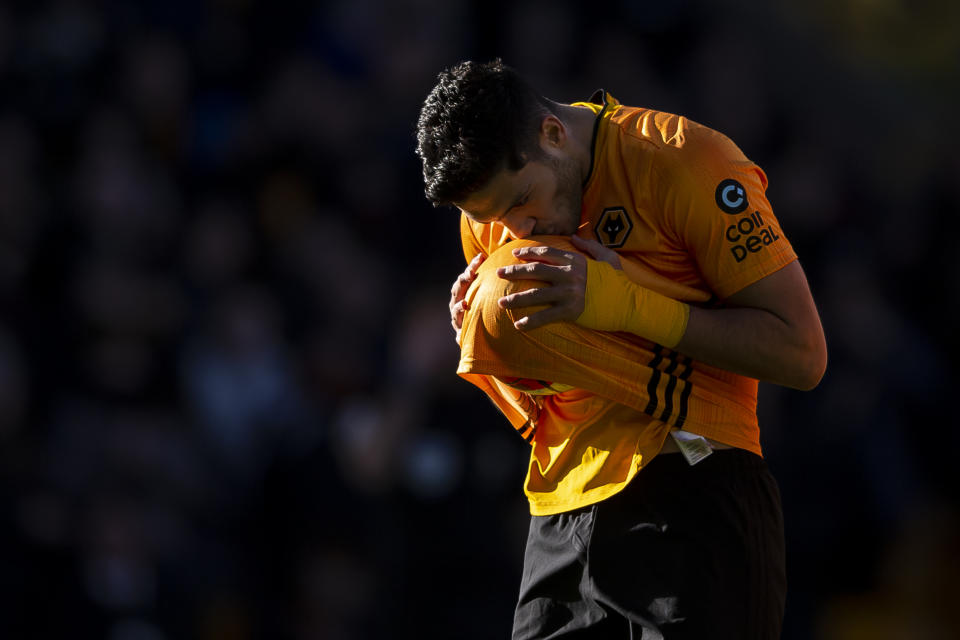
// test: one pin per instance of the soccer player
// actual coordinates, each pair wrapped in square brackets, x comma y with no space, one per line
[627,286]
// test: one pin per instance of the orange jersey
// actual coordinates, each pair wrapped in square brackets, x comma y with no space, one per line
[687,213]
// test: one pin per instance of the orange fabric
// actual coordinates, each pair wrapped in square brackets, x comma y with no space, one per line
[589,442]
[686,211]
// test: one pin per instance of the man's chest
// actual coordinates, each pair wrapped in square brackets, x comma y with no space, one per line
[621,213]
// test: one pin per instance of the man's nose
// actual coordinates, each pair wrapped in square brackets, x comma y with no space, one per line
[520,228]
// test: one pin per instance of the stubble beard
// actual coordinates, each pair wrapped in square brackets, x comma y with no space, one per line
[569,199]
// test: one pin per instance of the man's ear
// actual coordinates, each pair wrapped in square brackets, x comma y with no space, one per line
[553,133]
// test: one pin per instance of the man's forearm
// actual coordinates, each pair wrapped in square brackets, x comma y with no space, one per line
[769,330]
[755,343]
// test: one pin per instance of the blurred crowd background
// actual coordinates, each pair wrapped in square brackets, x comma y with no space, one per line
[228,408]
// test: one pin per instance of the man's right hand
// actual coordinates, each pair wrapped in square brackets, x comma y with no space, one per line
[457,304]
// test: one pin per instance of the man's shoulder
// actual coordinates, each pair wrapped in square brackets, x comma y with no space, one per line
[662,129]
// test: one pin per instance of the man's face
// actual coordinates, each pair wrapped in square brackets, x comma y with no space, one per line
[544,197]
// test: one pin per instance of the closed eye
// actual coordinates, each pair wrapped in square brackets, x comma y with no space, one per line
[524,199]
[519,202]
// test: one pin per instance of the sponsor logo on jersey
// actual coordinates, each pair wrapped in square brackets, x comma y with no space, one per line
[613,227]
[731,197]
[749,234]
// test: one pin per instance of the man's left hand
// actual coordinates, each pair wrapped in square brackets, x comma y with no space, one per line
[566,275]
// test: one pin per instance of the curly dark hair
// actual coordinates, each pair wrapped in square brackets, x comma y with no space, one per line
[477,120]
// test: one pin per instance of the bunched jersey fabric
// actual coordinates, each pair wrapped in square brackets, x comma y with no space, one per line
[687,213]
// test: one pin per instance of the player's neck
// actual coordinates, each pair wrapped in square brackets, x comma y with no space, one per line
[579,122]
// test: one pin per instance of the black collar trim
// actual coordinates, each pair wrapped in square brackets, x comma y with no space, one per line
[599,97]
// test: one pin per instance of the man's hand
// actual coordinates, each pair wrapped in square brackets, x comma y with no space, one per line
[566,274]
[457,304]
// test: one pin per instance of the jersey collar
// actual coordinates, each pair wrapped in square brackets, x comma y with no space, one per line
[601,97]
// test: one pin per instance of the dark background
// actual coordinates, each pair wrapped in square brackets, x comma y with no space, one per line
[227,400]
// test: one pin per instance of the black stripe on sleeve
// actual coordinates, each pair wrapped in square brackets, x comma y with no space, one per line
[654,380]
[685,395]
[526,431]
[671,385]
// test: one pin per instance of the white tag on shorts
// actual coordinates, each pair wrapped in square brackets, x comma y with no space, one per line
[693,447]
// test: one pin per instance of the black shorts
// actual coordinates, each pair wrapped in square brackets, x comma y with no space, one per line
[682,552]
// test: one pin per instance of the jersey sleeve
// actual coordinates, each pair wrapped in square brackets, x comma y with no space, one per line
[715,205]
[476,237]
[468,238]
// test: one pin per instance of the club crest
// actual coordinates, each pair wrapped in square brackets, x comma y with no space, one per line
[613,227]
